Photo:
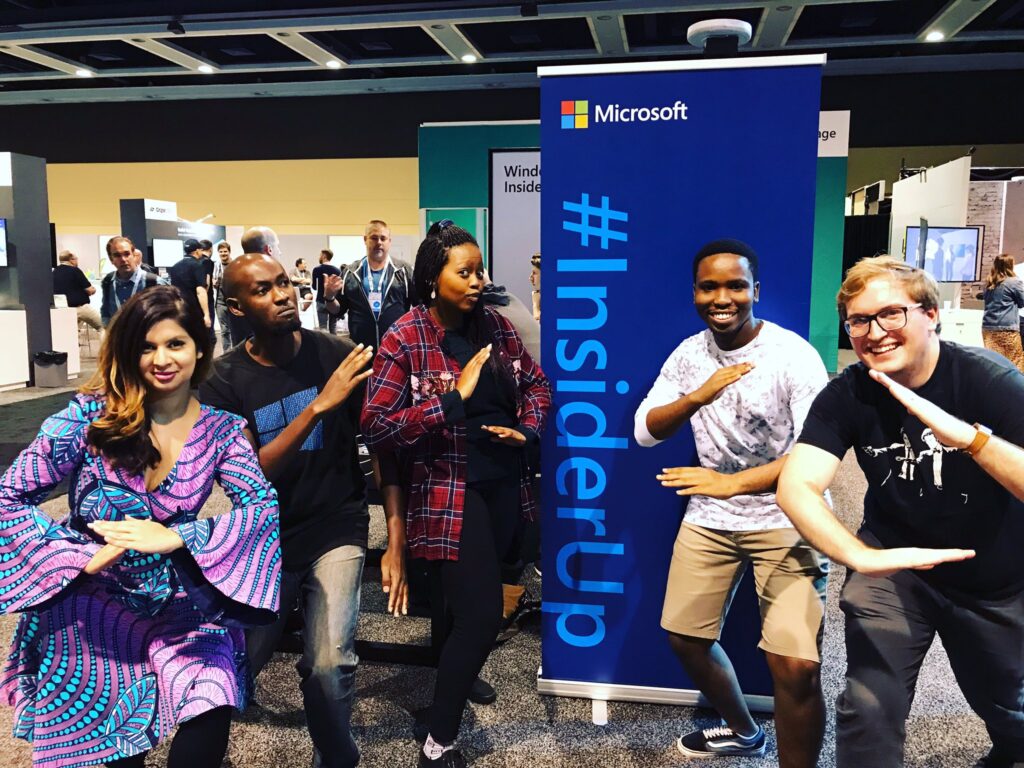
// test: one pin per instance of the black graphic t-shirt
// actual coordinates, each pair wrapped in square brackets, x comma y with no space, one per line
[920,493]
[321,491]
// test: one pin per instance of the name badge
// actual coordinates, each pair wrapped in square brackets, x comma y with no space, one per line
[375,299]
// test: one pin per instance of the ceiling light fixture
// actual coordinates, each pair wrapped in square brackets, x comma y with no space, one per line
[333,64]
[935,36]
[206,69]
[468,58]
[83,73]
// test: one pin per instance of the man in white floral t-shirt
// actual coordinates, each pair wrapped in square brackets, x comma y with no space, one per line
[744,385]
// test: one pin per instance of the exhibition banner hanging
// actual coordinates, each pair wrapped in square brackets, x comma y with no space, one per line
[643,164]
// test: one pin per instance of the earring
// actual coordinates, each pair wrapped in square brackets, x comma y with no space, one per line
[433,294]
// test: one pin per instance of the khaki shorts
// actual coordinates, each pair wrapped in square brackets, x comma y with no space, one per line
[789,577]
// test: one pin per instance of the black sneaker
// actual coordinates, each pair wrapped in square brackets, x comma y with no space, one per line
[450,759]
[482,692]
[721,740]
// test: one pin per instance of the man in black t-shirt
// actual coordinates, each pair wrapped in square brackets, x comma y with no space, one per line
[321,275]
[188,275]
[937,429]
[71,281]
[301,393]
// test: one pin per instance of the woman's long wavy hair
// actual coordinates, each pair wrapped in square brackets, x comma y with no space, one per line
[121,433]
[1002,269]
[431,257]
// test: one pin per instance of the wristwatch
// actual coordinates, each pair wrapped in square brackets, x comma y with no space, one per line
[982,436]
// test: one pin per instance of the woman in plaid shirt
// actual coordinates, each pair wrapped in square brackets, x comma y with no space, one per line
[458,396]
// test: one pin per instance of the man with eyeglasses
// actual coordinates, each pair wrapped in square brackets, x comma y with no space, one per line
[375,291]
[937,429]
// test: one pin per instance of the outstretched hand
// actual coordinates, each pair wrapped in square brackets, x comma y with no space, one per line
[948,429]
[884,562]
[712,389]
[345,378]
[698,481]
[506,436]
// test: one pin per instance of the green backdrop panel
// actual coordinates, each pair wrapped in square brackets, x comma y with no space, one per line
[829,220]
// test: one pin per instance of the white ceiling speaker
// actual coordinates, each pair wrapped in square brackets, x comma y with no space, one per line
[698,34]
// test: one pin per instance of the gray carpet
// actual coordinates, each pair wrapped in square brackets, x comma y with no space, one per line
[525,729]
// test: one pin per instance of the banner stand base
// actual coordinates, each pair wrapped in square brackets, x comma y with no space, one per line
[639,693]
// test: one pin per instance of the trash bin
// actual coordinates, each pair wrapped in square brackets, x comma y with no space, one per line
[51,368]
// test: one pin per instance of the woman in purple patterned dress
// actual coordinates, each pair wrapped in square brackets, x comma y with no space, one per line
[132,608]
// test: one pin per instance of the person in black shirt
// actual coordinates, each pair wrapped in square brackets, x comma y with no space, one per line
[322,274]
[70,281]
[937,432]
[189,276]
[301,394]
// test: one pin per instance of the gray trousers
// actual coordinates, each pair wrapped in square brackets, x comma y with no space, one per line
[890,625]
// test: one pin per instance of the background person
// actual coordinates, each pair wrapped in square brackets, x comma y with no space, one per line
[219,300]
[375,290]
[939,549]
[132,607]
[127,279]
[71,281]
[454,389]
[535,283]
[188,275]
[327,321]
[1004,297]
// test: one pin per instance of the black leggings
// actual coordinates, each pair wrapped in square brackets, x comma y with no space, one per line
[472,593]
[199,743]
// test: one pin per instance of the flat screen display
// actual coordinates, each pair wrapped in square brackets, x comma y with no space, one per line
[167,253]
[951,254]
[3,242]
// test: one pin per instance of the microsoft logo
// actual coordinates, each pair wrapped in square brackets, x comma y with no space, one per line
[574,114]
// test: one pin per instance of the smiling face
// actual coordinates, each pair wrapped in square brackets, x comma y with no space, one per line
[907,354]
[264,295]
[724,294]
[224,252]
[168,359]
[461,279]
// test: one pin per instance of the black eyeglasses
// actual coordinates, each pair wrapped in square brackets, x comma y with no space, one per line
[889,319]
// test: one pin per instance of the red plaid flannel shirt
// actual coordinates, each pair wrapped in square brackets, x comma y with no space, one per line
[403,413]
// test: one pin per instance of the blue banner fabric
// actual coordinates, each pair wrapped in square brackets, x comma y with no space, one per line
[640,170]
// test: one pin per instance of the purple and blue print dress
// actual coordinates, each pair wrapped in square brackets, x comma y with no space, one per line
[104,666]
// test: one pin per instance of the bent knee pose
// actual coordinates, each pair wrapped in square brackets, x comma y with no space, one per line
[744,385]
[455,389]
[300,393]
[132,608]
[939,548]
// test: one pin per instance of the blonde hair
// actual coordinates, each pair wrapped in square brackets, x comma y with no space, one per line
[1002,268]
[374,224]
[919,285]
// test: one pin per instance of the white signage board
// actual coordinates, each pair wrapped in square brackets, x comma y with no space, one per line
[515,218]
[161,210]
[834,134]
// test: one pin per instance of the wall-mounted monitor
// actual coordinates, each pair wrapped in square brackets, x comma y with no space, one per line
[950,254]
[167,253]
[3,242]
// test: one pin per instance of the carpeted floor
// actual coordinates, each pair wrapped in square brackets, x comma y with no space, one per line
[523,728]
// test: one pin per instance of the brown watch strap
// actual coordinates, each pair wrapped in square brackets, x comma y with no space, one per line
[979,441]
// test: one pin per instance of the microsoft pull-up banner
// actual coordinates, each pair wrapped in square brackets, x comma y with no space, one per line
[643,164]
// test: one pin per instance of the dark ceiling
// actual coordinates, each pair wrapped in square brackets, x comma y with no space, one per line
[65,51]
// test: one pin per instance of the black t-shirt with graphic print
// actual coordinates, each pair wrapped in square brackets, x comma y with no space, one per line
[321,491]
[921,494]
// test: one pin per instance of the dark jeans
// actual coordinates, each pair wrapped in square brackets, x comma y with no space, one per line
[890,624]
[198,743]
[473,600]
[328,593]
[325,319]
